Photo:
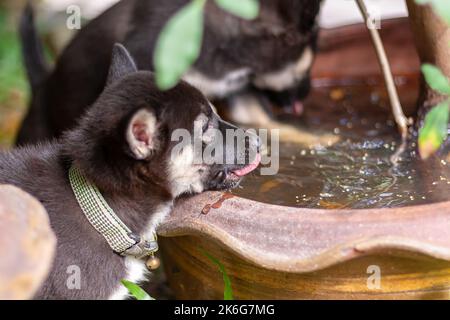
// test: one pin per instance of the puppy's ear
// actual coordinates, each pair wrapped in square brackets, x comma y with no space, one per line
[122,64]
[141,134]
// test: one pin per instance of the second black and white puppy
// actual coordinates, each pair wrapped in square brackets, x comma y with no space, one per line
[123,146]
[272,54]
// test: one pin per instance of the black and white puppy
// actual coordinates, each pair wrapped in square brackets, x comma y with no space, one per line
[123,145]
[272,54]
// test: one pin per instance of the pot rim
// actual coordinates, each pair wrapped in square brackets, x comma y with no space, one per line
[307,240]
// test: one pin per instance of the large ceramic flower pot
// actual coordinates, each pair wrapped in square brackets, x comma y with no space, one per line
[275,252]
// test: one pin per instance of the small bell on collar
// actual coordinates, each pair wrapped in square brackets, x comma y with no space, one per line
[153,262]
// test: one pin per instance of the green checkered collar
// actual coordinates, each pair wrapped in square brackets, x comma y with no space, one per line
[102,217]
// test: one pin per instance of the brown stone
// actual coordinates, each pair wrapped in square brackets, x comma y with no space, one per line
[27,244]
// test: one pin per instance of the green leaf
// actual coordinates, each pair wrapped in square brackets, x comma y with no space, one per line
[227,291]
[12,75]
[441,7]
[136,291]
[247,9]
[435,130]
[436,79]
[179,44]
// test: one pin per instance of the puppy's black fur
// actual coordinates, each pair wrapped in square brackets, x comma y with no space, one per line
[275,40]
[137,185]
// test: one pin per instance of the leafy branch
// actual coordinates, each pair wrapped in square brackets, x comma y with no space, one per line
[435,129]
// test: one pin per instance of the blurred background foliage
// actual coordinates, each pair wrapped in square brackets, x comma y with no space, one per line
[13,84]
[14,89]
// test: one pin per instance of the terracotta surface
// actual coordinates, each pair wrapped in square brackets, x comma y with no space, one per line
[274,252]
[347,52]
[192,276]
[304,240]
[27,244]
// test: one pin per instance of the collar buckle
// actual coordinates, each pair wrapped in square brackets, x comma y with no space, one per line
[142,248]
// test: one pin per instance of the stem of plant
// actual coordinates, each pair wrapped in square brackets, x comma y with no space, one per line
[402,121]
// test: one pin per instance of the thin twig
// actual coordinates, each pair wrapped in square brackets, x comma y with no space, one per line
[402,121]
[397,154]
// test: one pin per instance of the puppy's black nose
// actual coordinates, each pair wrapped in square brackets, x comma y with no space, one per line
[290,99]
[303,88]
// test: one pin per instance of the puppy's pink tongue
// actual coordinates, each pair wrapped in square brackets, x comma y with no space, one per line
[252,166]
